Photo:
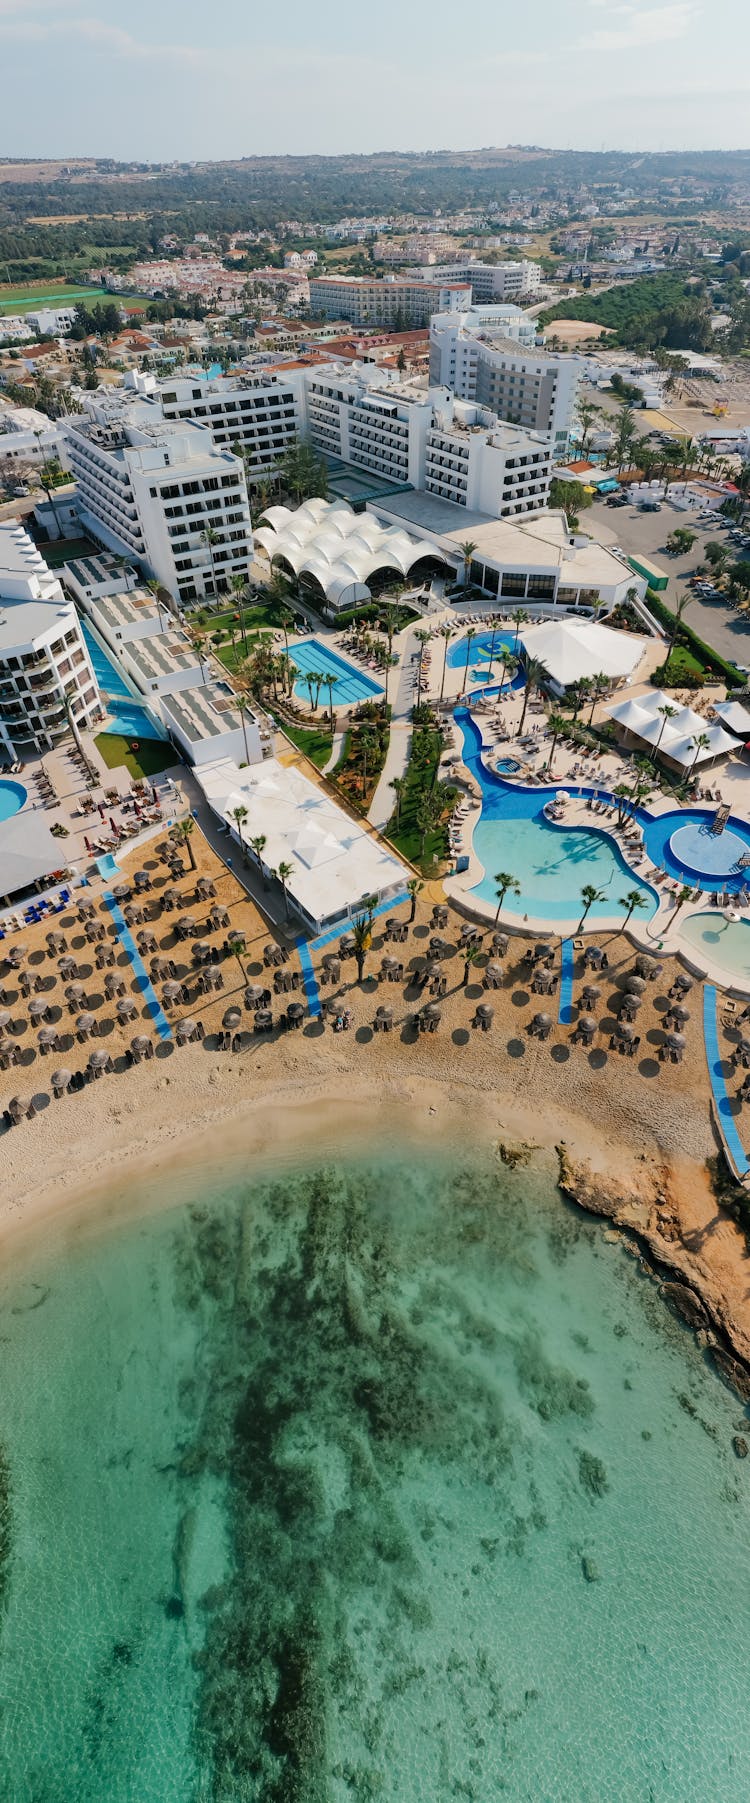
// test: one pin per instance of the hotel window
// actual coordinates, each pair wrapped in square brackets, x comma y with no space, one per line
[541,588]
[513,586]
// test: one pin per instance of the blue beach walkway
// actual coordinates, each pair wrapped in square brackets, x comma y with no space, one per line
[142,977]
[567,962]
[721,1098]
[307,947]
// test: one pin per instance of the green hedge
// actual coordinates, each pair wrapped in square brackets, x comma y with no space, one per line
[685,636]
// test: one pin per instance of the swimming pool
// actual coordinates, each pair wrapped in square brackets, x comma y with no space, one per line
[479,655]
[725,942]
[12,798]
[132,721]
[108,677]
[351,684]
[680,843]
[550,864]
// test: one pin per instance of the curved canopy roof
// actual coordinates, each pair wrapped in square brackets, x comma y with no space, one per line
[337,546]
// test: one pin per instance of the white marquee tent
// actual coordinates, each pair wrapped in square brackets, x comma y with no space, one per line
[341,549]
[574,649]
[676,734]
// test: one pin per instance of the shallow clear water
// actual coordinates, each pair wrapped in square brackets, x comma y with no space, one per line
[12,798]
[727,942]
[391,1482]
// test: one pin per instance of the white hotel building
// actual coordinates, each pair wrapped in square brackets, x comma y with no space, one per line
[44,663]
[489,281]
[478,362]
[150,489]
[409,301]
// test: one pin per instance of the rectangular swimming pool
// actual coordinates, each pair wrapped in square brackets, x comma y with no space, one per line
[351,685]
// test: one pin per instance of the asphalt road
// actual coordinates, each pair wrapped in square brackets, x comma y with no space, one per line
[718,625]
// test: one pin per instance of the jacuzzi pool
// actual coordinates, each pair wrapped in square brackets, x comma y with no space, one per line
[725,942]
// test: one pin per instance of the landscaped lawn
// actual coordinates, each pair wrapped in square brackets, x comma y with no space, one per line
[153,755]
[408,837]
[313,741]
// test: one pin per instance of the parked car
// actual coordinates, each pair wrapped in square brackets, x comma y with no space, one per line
[649,506]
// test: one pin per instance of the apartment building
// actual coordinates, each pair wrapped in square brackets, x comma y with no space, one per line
[472,460]
[45,669]
[525,388]
[265,417]
[395,301]
[489,281]
[160,493]
[426,439]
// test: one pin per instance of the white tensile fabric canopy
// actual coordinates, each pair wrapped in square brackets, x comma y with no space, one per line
[735,717]
[340,548]
[574,649]
[676,734]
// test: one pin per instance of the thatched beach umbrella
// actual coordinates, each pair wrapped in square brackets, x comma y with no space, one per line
[648,967]
[295,1014]
[677,1014]
[67,966]
[105,956]
[590,995]
[634,985]
[114,984]
[133,914]
[6,1020]
[38,1008]
[232,1018]
[122,892]
[75,994]
[126,1008]
[541,1025]
[85,910]
[218,917]
[15,955]
[57,942]
[60,1080]
[141,1047]
[142,880]
[21,1108]
[147,940]
[493,975]
[85,1026]
[204,887]
[99,1061]
[499,943]
[623,1031]
[173,993]
[483,1016]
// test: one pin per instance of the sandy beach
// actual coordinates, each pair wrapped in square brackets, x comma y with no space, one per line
[638,1143]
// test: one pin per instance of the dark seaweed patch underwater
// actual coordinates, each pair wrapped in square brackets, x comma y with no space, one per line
[367,1483]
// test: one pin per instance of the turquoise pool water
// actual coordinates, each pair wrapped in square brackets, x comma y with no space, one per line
[480,650]
[351,685]
[699,857]
[550,864]
[726,942]
[12,798]
[379,1481]
[126,716]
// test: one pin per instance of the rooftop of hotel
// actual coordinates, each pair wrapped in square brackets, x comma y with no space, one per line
[131,608]
[164,654]
[205,712]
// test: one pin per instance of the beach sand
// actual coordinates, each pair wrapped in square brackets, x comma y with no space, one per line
[637,1134]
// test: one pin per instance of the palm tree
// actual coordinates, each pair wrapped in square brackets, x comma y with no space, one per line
[509,667]
[423,638]
[621,794]
[599,685]
[633,901]
[534,672]
[589,895]
[684,895]
[425,818]
[446,634]
[518,620]
[467,549]
[184,830]
[331,681]
[398,785]
[470,637]
[238,584]
[587,412]
[413,886]
[624,438]
[472,954]
[67,702]
[239,814]
[700,743]
[556,724]
[211,538]
[239,945]
[667,713]
[505,883]
[283,873]
[362,936]
[242,709]
[258,846]
[682,604]
[154,588]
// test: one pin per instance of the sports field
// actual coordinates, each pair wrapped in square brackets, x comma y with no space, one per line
[58,294]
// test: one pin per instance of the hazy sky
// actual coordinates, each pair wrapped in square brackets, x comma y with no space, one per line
[183,78]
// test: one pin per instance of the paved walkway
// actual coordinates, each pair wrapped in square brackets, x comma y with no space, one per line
[384,799]
[336,750]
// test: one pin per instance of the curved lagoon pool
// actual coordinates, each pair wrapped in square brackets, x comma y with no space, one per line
[12,798]
[681,843]
[550,864]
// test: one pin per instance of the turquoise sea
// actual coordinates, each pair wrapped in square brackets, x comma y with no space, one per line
[391,1482]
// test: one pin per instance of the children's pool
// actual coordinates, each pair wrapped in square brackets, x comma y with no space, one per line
[479,654]
[12,798]
[350,685]
[725,942]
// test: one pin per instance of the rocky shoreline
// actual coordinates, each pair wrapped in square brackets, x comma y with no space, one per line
[650,1221]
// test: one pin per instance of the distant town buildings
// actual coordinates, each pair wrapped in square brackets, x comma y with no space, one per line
[394,301]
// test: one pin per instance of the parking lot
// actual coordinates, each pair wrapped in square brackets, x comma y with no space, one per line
[727,631]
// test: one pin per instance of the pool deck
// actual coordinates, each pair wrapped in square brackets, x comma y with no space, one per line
[662,932]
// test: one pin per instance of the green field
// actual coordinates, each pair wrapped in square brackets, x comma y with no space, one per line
[27,299]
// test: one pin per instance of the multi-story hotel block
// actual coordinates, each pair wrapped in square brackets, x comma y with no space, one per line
[46,676]
[523,387]
[160,493]
[398,302]
[488,281]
